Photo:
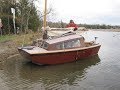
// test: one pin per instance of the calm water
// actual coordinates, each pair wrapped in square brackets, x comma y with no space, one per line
[101,72]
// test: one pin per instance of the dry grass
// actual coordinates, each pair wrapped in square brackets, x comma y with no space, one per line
[20,39]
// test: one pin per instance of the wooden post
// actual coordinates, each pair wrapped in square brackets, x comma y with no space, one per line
[1,27]
[45,11]
[0,31]
[44,22]
[13,12]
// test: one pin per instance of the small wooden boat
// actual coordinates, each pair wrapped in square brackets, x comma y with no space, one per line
[62,49]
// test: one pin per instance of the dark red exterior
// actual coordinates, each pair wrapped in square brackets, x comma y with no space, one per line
[61,57]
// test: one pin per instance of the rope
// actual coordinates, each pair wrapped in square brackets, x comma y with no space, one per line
[23,41]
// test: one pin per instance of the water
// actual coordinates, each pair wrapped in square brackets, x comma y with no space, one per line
[101,72]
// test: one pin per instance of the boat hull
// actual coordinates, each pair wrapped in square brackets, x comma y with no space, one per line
[61,57]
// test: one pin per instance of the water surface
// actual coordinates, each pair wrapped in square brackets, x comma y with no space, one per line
[101,72]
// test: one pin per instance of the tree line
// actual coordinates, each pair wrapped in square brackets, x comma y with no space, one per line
[61,24]
[99,26]
[26,15]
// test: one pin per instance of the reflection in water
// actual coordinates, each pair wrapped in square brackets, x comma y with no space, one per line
[45,77]
[58,72]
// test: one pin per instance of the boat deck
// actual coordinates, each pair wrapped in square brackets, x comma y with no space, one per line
[34,49]
[38,50]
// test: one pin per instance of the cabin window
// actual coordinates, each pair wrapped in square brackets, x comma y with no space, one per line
[76,43]
[45,45]
[71,44]
[68,44]
[60,46]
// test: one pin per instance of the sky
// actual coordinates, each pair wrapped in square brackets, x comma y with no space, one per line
[86,11]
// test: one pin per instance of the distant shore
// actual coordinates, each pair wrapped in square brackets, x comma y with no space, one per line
[106,30]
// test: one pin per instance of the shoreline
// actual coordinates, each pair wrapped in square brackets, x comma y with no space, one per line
[9,48]
[106,30]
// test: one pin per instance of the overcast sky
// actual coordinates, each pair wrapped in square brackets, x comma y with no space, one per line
[86,11]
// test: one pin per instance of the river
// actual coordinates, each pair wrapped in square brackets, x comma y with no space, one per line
[100,72]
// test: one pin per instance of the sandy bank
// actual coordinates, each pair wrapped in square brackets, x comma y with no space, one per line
[7,49]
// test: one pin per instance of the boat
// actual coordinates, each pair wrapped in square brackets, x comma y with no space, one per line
[62,49]
[58,49]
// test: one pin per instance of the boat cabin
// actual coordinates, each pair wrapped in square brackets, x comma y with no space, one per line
[63,42]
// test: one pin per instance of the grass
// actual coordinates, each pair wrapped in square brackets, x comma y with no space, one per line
[24,39]
[4,38]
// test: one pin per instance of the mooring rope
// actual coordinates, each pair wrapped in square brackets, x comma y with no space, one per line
[23,41]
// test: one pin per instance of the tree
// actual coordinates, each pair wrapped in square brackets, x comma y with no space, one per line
[26,15]
[5,14]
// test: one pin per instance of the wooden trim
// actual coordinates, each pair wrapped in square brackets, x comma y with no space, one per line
[67,50]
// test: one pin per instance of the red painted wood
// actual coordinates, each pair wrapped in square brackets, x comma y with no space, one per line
[64,57]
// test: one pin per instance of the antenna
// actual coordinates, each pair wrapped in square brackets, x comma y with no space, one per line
[95,39]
